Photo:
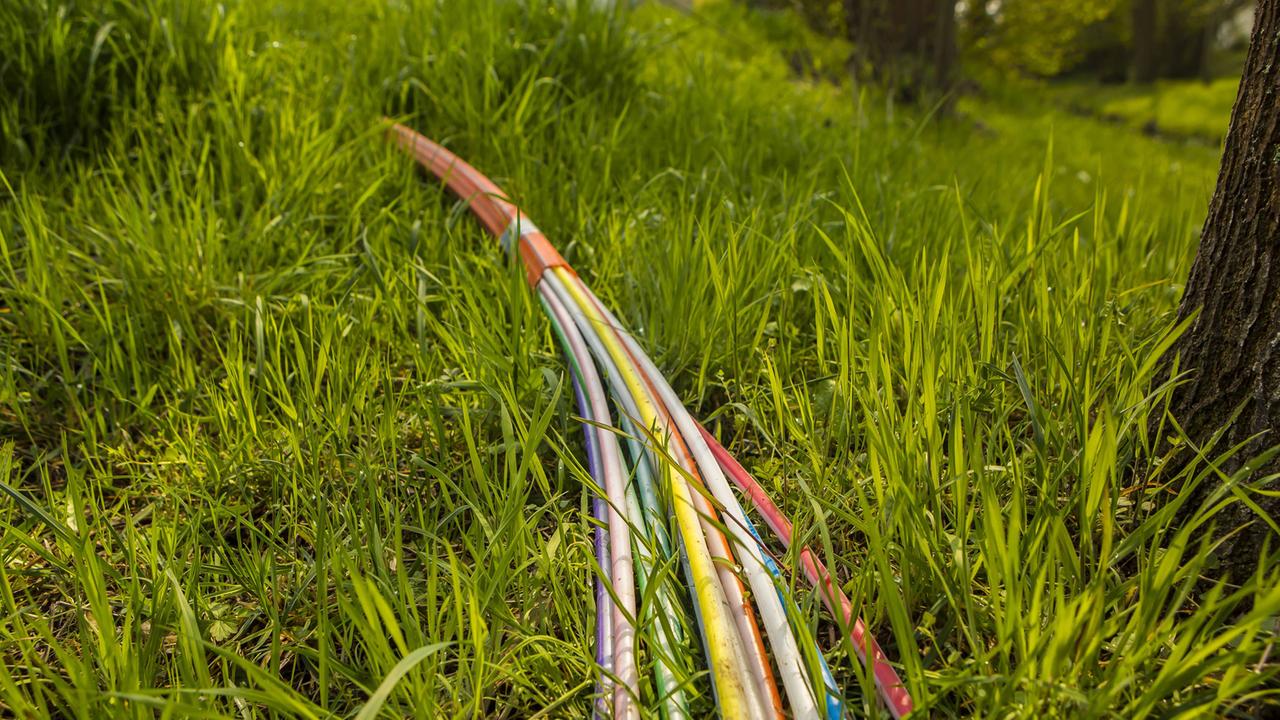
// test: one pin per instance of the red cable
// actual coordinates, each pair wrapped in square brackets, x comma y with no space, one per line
[891,686]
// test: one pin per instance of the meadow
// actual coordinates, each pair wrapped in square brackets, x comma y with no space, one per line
[277,415]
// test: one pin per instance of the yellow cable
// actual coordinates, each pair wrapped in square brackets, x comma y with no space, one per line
[723,644]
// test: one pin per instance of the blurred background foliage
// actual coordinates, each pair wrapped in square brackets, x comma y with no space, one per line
[1168,67]
[1101,39]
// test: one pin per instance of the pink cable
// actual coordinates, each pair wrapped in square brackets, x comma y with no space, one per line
[891,687]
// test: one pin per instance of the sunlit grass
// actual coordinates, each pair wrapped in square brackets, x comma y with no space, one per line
[285,432]
[1177,108]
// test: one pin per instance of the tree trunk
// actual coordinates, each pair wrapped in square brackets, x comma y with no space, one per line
[1205,69]
[909,46]
[945,51]
[1179,50]
[1232,349]
[1145,24]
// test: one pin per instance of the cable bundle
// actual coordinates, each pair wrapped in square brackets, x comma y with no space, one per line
[652,460]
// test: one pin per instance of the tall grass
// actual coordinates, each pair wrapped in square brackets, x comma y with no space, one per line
[285,436]
[72,69]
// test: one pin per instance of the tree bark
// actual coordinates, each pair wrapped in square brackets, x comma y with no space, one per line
[1232,349]
[1145,24]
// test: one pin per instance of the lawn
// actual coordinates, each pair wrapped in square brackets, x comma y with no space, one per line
[277,413]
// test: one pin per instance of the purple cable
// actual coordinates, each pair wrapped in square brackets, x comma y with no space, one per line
[600,512]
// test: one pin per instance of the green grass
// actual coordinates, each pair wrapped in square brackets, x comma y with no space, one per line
[1177,108]
[285,433]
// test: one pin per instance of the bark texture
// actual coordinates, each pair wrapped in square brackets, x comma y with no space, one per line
[1233,347]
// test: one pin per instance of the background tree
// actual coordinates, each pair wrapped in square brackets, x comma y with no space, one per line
[909,46]
[1047,39]
[1216,15]
[1232,349]
[1186,27]
[1109,40]
[1145,25]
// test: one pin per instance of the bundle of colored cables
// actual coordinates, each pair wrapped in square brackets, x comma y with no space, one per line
[651,460]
